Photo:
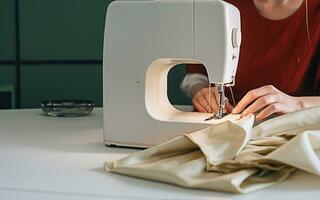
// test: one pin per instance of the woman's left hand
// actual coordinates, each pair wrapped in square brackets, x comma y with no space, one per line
[267,100]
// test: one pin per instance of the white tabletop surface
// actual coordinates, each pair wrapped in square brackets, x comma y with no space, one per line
[62,158]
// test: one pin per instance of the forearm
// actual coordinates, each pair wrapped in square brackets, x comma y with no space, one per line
[311,101]
[192,83]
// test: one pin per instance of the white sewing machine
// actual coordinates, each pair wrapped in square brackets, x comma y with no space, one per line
[143,40]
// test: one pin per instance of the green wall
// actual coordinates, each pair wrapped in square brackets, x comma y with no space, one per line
[7,40]
[59,53]
[175,77]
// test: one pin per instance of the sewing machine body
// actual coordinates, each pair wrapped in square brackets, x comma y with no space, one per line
[143,40]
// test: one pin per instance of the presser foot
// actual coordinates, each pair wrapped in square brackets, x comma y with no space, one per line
[216,116]
[221,103]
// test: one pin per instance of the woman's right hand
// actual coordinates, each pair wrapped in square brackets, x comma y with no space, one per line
[201,101]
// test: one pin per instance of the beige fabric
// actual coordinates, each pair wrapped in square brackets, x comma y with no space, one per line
[232,157]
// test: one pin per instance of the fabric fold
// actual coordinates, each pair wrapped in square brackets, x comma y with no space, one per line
[223,141]
[232,156]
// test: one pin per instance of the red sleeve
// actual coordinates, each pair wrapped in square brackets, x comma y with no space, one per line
[196,69]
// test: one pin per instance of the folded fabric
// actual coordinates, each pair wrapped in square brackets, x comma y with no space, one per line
[232,156]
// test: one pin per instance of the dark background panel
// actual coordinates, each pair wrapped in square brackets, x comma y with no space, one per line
[7,30]
[7,74]
[7,86]
[62,29]
[46,82]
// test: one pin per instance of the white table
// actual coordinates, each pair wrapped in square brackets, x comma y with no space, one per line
[61,158]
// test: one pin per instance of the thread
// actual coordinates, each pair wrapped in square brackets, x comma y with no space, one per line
[232,96]
[307,22]
[209,97]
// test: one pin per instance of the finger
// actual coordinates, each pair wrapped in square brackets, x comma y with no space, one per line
[203,102]
[215,94]
[228,107]
[212,103]
[253,95]
[269,110]
[209,109]
[198,107]
[208,102]
[260,103]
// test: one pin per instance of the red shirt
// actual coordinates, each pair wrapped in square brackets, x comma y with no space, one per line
[277,52]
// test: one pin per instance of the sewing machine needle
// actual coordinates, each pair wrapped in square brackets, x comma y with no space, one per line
[221,102]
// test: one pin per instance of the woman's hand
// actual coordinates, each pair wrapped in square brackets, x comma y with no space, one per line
[267,100]
[201,101]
